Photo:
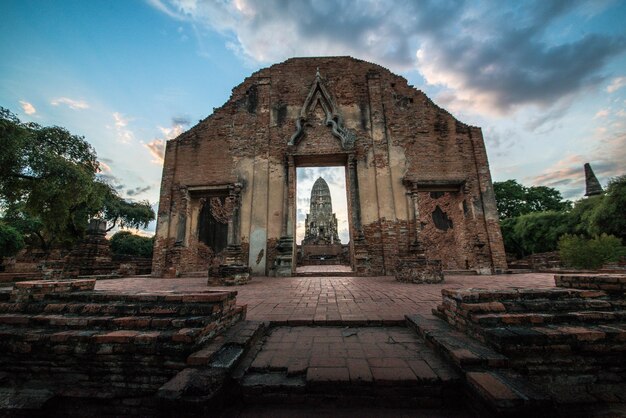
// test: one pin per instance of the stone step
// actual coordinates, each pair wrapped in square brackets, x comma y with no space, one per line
[462,350]
[491,320]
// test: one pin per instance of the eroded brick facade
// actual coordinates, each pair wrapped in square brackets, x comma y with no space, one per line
[405,158]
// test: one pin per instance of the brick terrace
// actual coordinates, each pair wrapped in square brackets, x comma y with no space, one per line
[355,300]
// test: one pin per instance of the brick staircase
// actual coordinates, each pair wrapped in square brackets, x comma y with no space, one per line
[83,344]
[568,342]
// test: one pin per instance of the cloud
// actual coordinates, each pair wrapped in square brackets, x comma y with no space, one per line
[27,107]
[616,84]
[112,180]
[567,174]
[124,134]
[501,142]
[156,147]
[138,190]
[502,59]
[71,103]
[602,113]
[494,58]
[181,120]
[272,30]
[104,167]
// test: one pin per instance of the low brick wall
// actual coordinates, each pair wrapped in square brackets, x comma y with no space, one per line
[610,283]
[565,340]
[80,343]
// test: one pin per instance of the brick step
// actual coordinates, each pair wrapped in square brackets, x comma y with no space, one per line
[459,272]
[112,309]
[477,296]
[462,350]
[104,321]
[191,274]
[312,388]
[325,274]
[19,277]
[507,394]
[20,340]
[529,306]
[595,339]
[492,320]
[605,368]
[157,298]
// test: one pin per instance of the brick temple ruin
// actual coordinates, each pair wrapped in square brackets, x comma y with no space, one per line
[417,178]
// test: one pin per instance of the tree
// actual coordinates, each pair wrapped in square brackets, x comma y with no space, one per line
[48,184]
[11,241]
[119,212]
[609,215]
[536,232]
[580,252]
[127,243]
[514,199]
[510,198]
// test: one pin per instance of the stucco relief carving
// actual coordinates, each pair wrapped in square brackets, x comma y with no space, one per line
[319,96]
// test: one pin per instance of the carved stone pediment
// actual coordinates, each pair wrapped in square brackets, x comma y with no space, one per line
[318,95]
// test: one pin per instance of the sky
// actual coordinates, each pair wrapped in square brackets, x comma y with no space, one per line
[546,80]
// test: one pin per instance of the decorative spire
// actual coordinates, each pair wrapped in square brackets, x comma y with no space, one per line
[592,185]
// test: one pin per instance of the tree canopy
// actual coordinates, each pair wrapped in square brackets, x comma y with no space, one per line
[127,243]
[514,199]
[49,186]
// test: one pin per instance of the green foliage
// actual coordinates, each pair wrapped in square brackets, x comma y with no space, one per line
[534,232]
[609,214]
[580,252]
[48,185]
[514,199]
[11,241]
[119,212]
[127,243]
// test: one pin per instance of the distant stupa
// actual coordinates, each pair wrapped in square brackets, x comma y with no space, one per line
[592,185]
[321,222]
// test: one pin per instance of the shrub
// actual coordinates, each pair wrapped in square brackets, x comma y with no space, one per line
[536,232]
[127,243]
[11,241]
[579,252]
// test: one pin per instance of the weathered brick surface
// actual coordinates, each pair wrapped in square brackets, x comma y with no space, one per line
[610,283]
[400,137]
[566,340]
[74,341]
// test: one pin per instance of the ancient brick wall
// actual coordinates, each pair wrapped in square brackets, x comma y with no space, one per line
[399,135]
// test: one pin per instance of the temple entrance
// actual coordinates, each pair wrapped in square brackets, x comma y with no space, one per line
[322,233]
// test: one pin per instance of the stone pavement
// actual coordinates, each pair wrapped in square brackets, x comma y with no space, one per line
[333,300]
[381,355]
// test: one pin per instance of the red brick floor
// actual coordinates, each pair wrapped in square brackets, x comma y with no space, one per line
[368,354]
[300,301]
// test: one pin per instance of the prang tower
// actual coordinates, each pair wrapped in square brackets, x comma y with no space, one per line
[321,222]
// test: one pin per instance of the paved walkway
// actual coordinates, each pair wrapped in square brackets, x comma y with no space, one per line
[302,301]
[383,355]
